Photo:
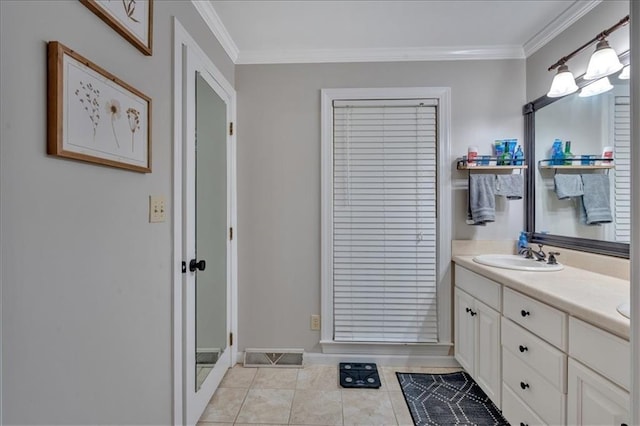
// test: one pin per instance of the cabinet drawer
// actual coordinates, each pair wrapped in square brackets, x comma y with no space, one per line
[607,354]
[481,288]
[548,361]
[536,392]
[546,322]
[517,412]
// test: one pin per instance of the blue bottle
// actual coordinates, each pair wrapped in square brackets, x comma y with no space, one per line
[518,156]
[557,155]
[523,242]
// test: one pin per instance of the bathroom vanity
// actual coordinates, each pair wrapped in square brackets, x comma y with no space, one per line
[546,347]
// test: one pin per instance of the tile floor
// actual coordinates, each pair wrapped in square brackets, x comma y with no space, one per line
[307,396]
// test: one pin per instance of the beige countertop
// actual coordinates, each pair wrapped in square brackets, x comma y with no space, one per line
[589,296]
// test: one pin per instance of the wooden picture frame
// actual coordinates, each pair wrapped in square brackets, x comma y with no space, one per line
[132,19]
[93,116]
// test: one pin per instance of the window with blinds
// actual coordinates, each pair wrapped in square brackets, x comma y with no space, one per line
[384,221]
[622,155]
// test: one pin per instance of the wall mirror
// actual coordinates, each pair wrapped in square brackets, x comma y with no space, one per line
[591,124]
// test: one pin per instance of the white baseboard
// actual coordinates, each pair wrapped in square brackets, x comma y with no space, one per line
[317,358]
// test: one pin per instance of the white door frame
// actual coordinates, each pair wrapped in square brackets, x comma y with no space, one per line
[186,53]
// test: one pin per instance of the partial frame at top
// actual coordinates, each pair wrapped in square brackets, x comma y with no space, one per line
[132,19]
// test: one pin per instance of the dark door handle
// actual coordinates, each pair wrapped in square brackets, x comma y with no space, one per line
[523,348]
[523,424]
[193,265]
[524,313]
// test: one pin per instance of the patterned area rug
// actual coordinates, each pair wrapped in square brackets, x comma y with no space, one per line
[448,399]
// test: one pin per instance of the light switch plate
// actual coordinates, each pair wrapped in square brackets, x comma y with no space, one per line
[157,209]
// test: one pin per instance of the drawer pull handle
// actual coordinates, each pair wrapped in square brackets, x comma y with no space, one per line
[524,385]
[623,424]
[473,314]
[468,310]
[524,424]
[524,313]
[523,348]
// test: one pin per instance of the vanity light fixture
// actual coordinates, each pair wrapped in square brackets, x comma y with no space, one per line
[626,73]
[603,62]
[597,87]
[563,83]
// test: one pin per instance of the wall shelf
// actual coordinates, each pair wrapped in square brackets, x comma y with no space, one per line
[579,167]
[463,165]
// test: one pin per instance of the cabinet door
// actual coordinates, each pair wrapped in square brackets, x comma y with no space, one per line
[464,329]
[593,400]
[488,355]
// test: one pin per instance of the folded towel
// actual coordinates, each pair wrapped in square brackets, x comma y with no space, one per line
[510,186]
[568,186]
[482,201]
[596,198]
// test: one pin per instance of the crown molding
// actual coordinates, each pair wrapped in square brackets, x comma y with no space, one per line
[213,21]
[455,53]
[563,21]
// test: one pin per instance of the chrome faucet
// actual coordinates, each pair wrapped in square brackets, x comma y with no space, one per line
[529,253]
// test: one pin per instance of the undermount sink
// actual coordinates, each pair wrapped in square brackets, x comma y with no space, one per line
[625,309]
[518,263]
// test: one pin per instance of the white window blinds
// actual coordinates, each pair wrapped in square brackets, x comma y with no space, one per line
[384,221]
[622,155]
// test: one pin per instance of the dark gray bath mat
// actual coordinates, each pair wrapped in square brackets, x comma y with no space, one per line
[448,399]
[359,375]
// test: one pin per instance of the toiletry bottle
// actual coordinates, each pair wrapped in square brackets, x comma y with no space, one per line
[523,242]
[506,155]
[556,153]
[499,150]
[568,155]
[518,156]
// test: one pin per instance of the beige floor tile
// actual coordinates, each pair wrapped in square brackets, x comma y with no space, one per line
[260,424]
[238,377]
[390,379]
[266,406]
[403,416]
[275,378]
[224,406]
[316,407]
[215,424]
[365,407]
[318,377]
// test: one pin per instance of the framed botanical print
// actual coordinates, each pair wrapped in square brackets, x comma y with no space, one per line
[94,116]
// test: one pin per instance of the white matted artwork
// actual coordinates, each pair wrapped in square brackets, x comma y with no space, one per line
[93,116]
[132,19]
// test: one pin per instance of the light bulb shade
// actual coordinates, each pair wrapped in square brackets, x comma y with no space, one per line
[563,83]
[596,88]
[603,62]
[626,73]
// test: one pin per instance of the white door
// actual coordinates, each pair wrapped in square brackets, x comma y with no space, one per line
[488,358]
[205,291]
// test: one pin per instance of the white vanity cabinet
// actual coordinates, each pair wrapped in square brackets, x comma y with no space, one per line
[598,380]
[538,363]
[534,360]
[477,305]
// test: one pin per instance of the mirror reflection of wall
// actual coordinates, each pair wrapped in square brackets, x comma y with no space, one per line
[211,228]
[591,124]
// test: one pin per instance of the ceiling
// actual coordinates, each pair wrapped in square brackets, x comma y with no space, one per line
[336,31]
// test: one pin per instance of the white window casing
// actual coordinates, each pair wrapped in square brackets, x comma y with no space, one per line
[386,236]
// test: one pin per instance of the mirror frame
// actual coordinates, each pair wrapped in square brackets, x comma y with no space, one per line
[609,248]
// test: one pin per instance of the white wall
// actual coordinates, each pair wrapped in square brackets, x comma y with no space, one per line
[279,175]
[86,280]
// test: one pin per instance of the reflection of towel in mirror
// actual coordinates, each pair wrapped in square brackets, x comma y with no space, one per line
[482,201]
[510,186]
[596,198]
[568,186]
